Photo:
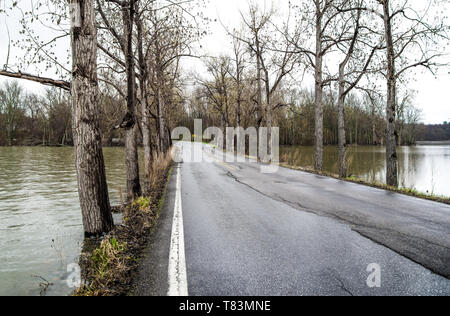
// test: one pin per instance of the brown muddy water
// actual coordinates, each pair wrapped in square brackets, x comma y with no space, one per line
[41,231]
[424,168]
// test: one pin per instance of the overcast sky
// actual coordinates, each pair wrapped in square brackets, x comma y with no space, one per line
[433,94]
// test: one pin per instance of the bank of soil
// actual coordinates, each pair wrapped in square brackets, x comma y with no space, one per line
[109,264]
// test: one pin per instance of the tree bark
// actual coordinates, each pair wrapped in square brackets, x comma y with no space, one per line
[391,137]
[259,96]
[239,91]
[374,131]
[146,125]
[163,144]
[318,144]
[341,125]
[147,143]
[131,130]
[269,133]
[10,130]
[92,186]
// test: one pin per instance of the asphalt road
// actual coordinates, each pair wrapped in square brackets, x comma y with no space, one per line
[294,233]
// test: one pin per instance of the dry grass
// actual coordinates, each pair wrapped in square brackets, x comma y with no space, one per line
[109,266]
[160,164]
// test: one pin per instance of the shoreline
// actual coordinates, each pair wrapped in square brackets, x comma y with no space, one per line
[404,191]
[110,264]
[417,144]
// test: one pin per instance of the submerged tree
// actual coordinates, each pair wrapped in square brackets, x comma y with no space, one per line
[414,37]
[10,105]
[92,186]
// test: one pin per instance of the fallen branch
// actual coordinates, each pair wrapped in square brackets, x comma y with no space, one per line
[65,85]
[44,285]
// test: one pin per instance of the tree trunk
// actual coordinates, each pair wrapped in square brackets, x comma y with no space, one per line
[318,144]
[10,112]
[391,139]
[146,125]
[239,93]
[134,189]
[163,145]
[374,130]
[131,149]
[10,136]
[341,126]
[269,132]
[92,186]
[259,97]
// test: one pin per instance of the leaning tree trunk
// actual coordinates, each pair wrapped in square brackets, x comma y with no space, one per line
[92,186]
[391,139]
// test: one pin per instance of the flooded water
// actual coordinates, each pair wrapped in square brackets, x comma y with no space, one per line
[40,219]
[424,168]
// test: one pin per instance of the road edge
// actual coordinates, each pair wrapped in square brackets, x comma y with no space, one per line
[152,276]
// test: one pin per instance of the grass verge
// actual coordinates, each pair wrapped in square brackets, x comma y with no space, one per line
[406,191]
[109,265]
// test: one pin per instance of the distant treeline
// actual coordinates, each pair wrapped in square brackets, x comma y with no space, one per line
[432,133]
[364,116]
[33,120]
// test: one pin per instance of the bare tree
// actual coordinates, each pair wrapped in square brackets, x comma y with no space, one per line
[319,19]
[354,53]
[275,61]
[122,31]
[92,186]
[411,41]
[239,55]
[10,103]
[173,31]
[218,90]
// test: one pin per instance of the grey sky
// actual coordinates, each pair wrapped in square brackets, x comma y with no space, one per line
[433,94]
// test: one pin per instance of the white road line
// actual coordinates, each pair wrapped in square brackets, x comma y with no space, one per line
[177,259]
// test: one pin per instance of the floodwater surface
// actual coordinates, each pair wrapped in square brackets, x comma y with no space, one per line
[423,168]
[41,230]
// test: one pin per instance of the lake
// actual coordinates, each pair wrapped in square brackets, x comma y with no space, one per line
[41,230]
[424,168]
[40,219]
